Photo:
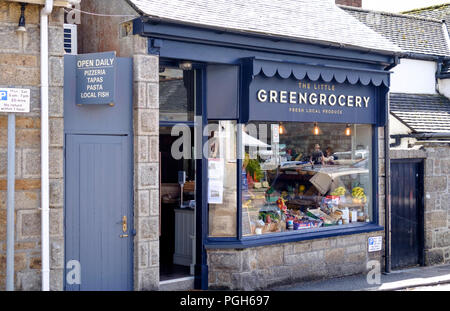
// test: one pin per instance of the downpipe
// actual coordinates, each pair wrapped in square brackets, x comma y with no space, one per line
[45,209]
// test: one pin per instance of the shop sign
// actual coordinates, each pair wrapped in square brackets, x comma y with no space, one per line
[275,99]
[375,243]
[14,100]
[96,78]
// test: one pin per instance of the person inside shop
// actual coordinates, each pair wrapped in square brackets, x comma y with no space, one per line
[317,156]
[328,156]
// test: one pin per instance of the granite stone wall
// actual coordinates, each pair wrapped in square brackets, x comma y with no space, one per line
[20,68]
[146,160]
[262,267]
[437,199]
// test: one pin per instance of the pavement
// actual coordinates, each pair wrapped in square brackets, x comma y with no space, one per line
[395,280]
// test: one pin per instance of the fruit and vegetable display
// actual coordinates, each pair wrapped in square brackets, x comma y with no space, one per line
[339,191]
[358,195]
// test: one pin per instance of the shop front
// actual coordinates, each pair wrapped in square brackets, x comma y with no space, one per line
[285,156]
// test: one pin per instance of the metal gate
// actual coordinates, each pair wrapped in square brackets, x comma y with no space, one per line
[407,227]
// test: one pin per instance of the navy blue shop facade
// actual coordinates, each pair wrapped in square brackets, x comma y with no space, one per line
[303,190]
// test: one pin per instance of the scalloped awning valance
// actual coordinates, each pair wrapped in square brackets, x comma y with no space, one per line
[327,73]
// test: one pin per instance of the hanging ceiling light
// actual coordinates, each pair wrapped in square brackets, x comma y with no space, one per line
[185,65]
[348,130]
[281,129]
[316,130]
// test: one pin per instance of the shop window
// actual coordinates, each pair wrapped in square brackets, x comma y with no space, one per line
[176,89]
[305,176]
[222,181]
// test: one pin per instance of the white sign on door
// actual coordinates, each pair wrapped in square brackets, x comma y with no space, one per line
[14,100]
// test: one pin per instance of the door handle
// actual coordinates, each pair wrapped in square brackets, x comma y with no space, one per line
[124,224]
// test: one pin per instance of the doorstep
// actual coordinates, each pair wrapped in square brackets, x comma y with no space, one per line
[181,284]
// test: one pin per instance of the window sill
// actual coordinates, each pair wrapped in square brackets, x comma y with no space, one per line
[288,237]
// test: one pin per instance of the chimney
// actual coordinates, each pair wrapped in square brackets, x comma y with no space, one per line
[356,3]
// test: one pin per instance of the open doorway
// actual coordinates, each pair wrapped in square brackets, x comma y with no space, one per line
[177,176]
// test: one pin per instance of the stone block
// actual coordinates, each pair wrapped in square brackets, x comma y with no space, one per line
[269,257]
[56,222]
[56,18]
[28,138]
[320,244]
[20,262]
[10,39]
[29,280]
[143,203]
[56,71]
[143,255]
[154,203]
[140,95]
[147,122]
[153,148]
[56,132]
[27,200]
[19,60]
[443,239]
[335,255]
[147,280]
[56,156]
[4,163]
[147,175]
[56,102]
[56,280]
[153,95]
[132,45]
[56,42]
[35,263]
[148,228]
[154,253]
[56,187]
[225,261]
[435,219]
[28,224]
[57,254]
[13,76]
[31,165]
[434,257]
[142,149]
[146,68]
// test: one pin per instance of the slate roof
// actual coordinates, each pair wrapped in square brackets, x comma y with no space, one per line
[439,12]
[301,20]
[414,34]
[420,112]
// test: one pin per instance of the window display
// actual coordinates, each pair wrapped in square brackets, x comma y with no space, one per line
[222,181]
[298,176]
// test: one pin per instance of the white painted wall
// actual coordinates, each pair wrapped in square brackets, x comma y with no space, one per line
[444,87]
[395,128]
[414,76]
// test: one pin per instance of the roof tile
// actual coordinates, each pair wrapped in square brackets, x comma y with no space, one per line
[318,20]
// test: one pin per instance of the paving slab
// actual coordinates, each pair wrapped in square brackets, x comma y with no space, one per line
[396,280]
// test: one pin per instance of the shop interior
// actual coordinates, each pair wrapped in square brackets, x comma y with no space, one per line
[177,174]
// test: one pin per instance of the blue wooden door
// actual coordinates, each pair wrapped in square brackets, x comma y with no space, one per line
[98,202]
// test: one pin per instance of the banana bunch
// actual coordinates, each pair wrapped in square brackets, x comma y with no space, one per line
[358,193]
[339,191]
